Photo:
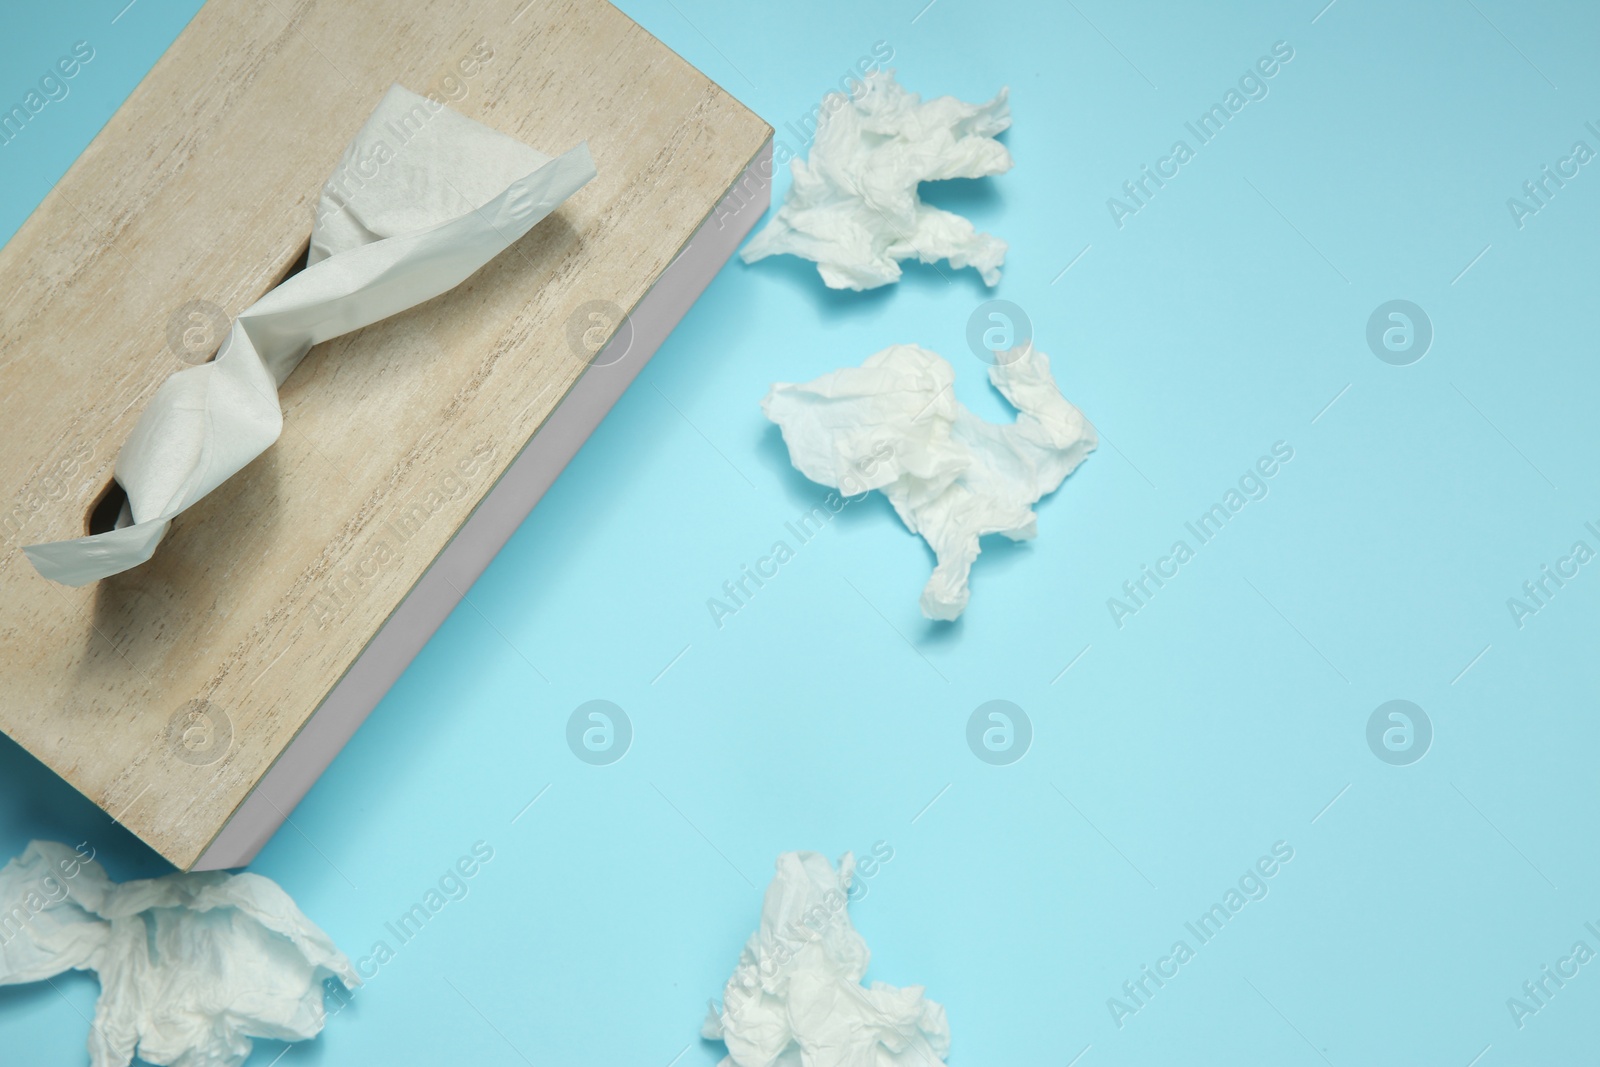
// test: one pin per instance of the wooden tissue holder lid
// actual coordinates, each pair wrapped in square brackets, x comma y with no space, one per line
[197,697]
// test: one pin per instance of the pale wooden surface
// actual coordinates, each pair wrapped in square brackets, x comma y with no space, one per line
[201,188]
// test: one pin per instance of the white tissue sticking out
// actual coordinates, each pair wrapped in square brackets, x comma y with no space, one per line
[191,966]
[894,424]
[853,208]
[422,199]
[796,998]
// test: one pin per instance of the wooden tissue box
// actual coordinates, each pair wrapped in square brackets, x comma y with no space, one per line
[196,698]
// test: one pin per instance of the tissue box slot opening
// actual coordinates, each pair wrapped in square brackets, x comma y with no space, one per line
[103,512]
[298,265]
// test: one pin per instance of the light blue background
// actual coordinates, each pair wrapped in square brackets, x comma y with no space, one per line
[1225,716]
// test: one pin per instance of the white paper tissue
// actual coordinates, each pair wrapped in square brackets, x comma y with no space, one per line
[951,476]
[422,199]
[191,966]
[853,207]
[796,998]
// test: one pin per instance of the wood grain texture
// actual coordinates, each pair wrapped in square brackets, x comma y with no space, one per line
[201,188]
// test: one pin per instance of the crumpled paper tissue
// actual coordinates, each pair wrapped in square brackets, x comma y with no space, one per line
[191,966]
[796,998]
[853,207]
[894,424]
[422,199]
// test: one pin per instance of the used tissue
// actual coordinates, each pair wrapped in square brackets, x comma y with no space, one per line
[853,207]
[422,198]
[951,476]
[191,966]
[796,998]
